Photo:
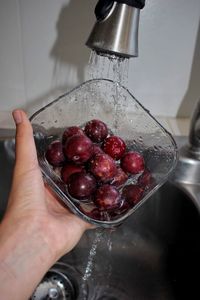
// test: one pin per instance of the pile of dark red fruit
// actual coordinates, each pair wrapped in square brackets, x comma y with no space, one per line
[99,170]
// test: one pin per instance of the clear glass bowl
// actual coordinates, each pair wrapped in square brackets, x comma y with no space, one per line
[113,104]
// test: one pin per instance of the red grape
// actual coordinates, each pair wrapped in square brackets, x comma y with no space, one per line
[54,154]
[114,146]
[78,148]
[124,207]
[81,185]
[96,130]
[97,149]
[119,178]
[95,213]
[69,169]
[107,197]
[145,180]
[70,131]
[132,194]
[132,162]
[103,167]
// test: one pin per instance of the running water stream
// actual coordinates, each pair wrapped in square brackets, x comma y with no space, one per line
[100,234]
[90,262]
[108,67]
[115,69]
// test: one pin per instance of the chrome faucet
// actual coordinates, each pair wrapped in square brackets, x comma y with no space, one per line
[187,172]
[116,29]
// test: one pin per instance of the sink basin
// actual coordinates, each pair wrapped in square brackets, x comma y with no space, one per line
[154,254]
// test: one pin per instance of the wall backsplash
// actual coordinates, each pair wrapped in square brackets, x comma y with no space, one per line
[42,53]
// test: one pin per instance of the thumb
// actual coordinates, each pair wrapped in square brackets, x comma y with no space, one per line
[26,156]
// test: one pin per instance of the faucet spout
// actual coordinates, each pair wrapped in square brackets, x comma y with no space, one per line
[116,29]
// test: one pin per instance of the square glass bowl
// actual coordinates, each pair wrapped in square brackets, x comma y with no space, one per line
[125,117]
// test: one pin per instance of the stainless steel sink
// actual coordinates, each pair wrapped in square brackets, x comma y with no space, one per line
[154,255]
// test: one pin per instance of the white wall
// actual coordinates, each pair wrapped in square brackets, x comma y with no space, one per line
[169,57]
[42,53]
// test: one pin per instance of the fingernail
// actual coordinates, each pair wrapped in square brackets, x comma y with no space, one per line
[17,116]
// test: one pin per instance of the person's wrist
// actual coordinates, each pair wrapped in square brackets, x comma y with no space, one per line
[28,261]
[60,245]
[27,233]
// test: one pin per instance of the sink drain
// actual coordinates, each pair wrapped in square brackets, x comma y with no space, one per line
[60,283]
[55,285]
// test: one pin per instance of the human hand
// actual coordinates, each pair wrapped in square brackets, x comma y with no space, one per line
[35,221]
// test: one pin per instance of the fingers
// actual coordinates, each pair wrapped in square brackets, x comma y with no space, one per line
[57,206]
[26,156]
